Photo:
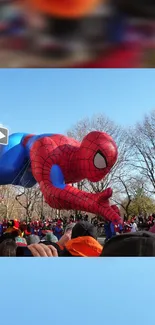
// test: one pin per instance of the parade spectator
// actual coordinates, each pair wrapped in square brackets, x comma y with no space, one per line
[83,241]
[50,237]
[134,226]
[130,245]
[69,227]
[8,248]
[58,231]
[32,239]
[1,229]
[41,250]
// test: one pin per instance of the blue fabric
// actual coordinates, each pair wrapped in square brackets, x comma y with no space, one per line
[14,161]
[57,177]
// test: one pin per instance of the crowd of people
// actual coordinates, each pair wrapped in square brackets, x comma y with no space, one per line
[134,224]
[77,236]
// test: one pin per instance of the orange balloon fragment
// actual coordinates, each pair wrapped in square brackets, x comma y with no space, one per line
[65,8]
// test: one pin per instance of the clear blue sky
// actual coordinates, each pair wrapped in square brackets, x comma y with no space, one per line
[53,100]
[74,291]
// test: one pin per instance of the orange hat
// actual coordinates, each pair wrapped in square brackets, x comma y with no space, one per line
[84,247]
[65,8]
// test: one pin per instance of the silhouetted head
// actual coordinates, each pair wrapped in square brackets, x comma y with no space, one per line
[139,8]
[98,154]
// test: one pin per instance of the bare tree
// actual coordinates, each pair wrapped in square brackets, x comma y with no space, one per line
[42,209]
[27,199]
[122,194]
[142,146]
[127,188]
[7,201]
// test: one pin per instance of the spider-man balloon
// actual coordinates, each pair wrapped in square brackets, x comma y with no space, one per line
[56,161]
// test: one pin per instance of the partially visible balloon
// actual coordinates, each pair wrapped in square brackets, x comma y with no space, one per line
[65,8]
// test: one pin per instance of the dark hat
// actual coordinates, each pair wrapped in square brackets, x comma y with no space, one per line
[138,8]
[9,235]
[141,243]
[84,228]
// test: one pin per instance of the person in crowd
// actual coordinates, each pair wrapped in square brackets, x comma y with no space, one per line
[72,218]
[42,250]
[140,219]
[127,227]
[152,229]
[86,217]
[140,243]
[5,223]
[150,221]
[58,231]
[79,217]
[23,228]
[59,245]
[50,237]
[45,248]
[8,248]
[13,226]
[109,230]
[32,239]
[28,231]
[94,221]
[69,227]
[134,226]
[1,228]
[11,238]
[83,242]
[126,245]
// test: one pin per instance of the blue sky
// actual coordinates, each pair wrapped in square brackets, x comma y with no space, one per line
[53,100]
[74,291]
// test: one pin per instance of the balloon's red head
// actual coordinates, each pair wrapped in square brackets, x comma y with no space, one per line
[98,154]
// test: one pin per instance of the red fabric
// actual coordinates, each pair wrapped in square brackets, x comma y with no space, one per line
[26,139]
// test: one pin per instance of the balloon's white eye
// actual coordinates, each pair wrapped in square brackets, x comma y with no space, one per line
[99,161]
